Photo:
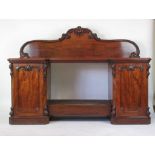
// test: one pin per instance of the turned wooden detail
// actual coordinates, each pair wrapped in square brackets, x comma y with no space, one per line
[127,79]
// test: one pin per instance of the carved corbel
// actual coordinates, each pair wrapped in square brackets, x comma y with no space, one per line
[113,112]
[147,70]
[45,66]
[113,66]
[45,111]
[11,69]
[148,112]
[12,111]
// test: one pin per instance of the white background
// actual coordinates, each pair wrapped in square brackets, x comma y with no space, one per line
[77,81]
[75,9]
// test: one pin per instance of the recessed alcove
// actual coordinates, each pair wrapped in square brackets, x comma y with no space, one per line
[79,89]
[79,81]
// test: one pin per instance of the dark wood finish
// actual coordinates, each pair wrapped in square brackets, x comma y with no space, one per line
[128,79]
[79,108]
[130,94]
[77,43]
[29,93]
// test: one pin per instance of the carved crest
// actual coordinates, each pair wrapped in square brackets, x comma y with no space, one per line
[79,31]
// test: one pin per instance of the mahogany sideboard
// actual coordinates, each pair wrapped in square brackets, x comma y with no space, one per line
[128,79]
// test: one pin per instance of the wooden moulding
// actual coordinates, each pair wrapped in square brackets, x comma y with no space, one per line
[131,120]
[28,120]
[79,108]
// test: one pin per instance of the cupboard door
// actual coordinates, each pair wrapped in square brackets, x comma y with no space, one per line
[130,90]
[29,89]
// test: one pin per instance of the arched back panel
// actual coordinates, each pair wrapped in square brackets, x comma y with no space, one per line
[79,42]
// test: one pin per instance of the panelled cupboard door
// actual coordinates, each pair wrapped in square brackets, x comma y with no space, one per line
[29,91]
[130,89]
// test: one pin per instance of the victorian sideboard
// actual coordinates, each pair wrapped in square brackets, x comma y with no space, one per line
[128,79]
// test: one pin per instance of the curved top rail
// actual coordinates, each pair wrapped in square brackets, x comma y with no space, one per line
[80,42]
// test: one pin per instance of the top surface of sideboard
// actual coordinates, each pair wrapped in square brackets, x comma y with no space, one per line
[80,60]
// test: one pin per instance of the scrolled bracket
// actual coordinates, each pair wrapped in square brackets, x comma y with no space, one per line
[24,55]
[134,55]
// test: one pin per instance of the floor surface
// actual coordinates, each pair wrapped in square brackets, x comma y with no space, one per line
[83,127]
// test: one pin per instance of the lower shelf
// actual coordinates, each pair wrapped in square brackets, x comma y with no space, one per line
[79,108]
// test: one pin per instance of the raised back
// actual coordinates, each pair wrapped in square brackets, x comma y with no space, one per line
[79,42]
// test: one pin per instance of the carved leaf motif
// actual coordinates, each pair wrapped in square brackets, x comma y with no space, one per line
[94,36]
[64,36]
[26,68]
[79,31]
[131,67]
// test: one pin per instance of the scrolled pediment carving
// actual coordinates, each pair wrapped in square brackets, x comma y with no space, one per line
[79,31]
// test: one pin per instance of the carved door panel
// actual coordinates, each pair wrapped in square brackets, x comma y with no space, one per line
[29,89]
[130,89]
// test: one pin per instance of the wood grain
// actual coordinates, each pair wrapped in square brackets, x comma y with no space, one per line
[127,72]
[79,108]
